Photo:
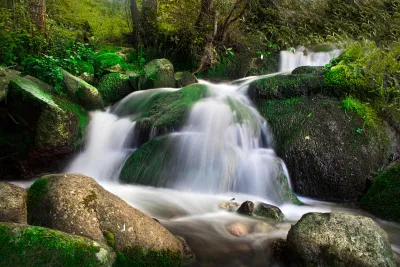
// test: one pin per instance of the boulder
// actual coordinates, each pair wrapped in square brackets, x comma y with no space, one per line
[327,153]
[237,229]
[105,63]
[25,245]
[309,70]
[246,208]
[383,198]
[185,78]
[87,95]
[269,212]
[4,81]
[158,73]
[335,239]
[115,86]
[12,203]
[77,204]
[229,205]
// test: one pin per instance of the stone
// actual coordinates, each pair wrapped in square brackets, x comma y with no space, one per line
[237,229]
[12,204]
[269,212]
[184,78]
[246,208]
[77,204]
[229,205]
[158,73]
[262,227]
[115,86]
[336,239]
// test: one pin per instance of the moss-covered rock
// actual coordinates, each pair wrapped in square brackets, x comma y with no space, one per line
[185,78]
[269,212]
[87,95]
[108,63]
[77,204]
[4,81]
[286,86]
[158,73]
[335,239]
[12,203]
[24,245]
[329,152]
[309,70]
[383,198]
[114,86]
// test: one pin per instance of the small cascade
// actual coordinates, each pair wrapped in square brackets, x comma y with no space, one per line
[301,57]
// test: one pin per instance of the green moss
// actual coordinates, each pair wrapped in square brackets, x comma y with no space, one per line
[114,87]
[363,110]
[104,61]
[110,238]
[309,70]
[22,245]
[383,198]
[139,257]
[85,67]
[35,194]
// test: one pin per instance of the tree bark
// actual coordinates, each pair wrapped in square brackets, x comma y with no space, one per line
[136,24]
[38,14]
[149,22]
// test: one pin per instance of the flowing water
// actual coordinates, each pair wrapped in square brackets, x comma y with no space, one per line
[222,152]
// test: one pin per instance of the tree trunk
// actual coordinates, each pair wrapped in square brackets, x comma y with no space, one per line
[135,24]
[38,14]
[149,22]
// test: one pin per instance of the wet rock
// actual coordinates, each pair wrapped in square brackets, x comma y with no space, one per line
[12,203]
[114,86]
[309,70]
[188,253]
[262,227]
[77,204]
[246,208]
[383,198]
[184,78]
[237,229]
[87,95]
[229,205]
[335,239]
[25,245]
[158,73]
[269,212]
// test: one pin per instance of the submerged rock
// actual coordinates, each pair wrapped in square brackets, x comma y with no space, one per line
[184,78]
[77,204]
[229,205]
[12,203]
[246,208]
[383,198]
[262,227]
[158,73]
[335,239]
[237,229]
[269,212]
[326,153]
[25,245]
[87,95]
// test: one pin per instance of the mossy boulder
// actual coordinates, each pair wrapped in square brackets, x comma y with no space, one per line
[87,95]
[286,86]
[158,73]
[246,208]
[4,81]
[77,204]
[12,203]
[330,153]
[309,70]
[185,78]
[335,239]
[115,86]
[269,212]
[383,198]
[105,63]
[41,120]
[25,245]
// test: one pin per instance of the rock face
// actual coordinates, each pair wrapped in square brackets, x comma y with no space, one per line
[115,86]
[326,156]
[334,239]
[269,212]
[77,204]
[246,208]
[87,95]
[158,73]
[24,245]
[185,78]
[383,198]
[12,204]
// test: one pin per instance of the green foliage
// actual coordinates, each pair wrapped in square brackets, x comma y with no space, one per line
[143,258]
[37,246]
[363,110]
[110,238]
[383,198]
[137,59]
[104,61]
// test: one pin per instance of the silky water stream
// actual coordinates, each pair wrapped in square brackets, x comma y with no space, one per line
[222,152]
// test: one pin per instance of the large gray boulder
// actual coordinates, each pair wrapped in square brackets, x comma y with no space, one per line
[77,204]
[336,239]
[12,203]
[158,73]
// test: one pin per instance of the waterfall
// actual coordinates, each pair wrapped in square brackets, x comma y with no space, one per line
[223,146]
